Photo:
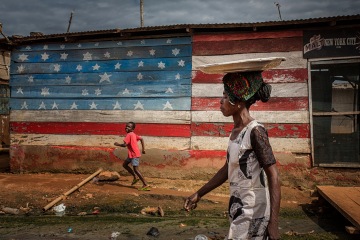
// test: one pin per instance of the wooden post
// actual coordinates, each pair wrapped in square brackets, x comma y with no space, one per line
[71,190]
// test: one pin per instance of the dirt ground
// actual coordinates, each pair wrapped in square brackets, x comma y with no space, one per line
[117,210]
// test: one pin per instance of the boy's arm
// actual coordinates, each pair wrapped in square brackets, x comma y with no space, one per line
[120,144]
[142,145]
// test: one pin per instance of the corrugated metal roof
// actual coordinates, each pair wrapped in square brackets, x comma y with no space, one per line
[185,27]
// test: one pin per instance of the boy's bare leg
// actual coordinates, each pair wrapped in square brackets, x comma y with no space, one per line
[136,170]
[126,166]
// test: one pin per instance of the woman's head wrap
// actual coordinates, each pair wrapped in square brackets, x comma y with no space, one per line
[242,85]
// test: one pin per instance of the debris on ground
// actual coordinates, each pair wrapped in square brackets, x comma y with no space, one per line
[153,211]
[10,210]
[294,233]
[153,232]
[114,235]
[108,176]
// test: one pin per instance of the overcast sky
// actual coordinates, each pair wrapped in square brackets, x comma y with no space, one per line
[20,17]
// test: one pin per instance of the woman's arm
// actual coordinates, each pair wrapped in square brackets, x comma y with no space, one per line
[275,196]
[142,145]
[219,178]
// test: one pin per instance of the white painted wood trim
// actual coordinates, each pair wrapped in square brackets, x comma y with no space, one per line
[172,117]
[278,90]
[261,116]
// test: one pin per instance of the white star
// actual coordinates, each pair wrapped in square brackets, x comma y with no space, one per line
[107,55]
[45,91]
[64,56]
[161,65]
[96,44]
[181,63]
[87,56]
[97,92]
[28,48]
[20,90]
[55,105]
[177,76]
[138,105]
[24,105]
[116,105]
[42,106]
[95,67]
[152,52]
[57,67]
[44,56]
[130,53]
[140,64]
[30,79]
[93,105]
[79,67]
[139,76]
[79,45]
[117,66]
[73,106]
[62,46]
[85,92]
[168,41]
[105,77]
[68,79]
[126,91]
[23,57]
[45,47]
[119,43]
[142,42]
[167,106]
[175,51]
[169,90]
[20,69]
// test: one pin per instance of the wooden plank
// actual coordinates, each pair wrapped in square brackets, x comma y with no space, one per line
[278,90]
[248,46]
[85,79]
[101,54]
[98,128]
[335,113]
[170,117]
[261,116]
[139,104]
[274,130]
[245,36]
[294,59]
[139,89]
[298,75]
[274,104]
[295,145]
[168,143]
[166,64]
[345,199]
[104,44]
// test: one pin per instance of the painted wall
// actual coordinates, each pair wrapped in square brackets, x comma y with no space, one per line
[70,102]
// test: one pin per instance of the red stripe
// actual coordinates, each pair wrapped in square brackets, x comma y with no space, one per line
[248,46]
[81,128]
[299,75]
[274,104]
[244,36]
[274,130]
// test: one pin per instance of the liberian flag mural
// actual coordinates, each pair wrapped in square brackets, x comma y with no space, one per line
[70,101]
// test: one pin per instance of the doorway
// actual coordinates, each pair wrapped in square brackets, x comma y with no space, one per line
[335,112]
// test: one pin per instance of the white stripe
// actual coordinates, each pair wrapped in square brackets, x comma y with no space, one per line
[295,145]
[173,117]
[293,59]
[278,90]
[261,116]
[167,143]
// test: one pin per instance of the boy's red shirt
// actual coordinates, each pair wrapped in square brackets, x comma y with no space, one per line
[131,140]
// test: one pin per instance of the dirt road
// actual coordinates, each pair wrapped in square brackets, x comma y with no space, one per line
[112,210]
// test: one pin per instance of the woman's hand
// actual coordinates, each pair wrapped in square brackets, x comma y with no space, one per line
[273,231]
[190,202]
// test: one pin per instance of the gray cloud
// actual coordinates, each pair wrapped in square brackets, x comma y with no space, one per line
[52,16]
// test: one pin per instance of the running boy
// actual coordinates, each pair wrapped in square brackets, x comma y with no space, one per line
[130,141]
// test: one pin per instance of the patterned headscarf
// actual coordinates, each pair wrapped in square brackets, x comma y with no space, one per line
[242,85]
